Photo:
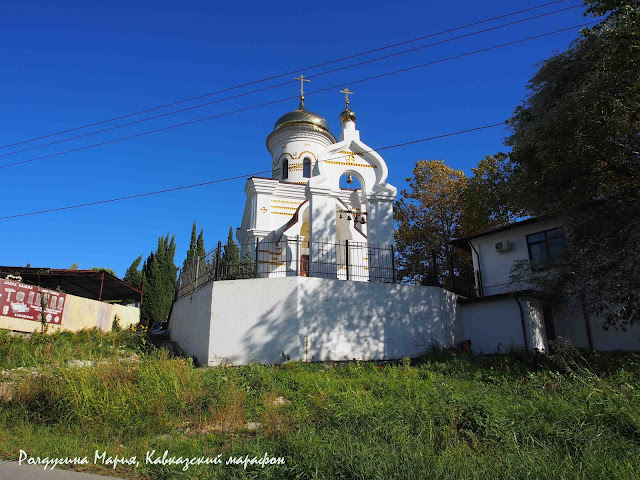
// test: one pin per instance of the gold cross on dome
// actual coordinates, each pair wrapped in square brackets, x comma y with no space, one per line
[346,95]
[302,80]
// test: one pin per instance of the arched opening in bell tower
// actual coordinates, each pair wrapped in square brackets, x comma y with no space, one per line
[349,181]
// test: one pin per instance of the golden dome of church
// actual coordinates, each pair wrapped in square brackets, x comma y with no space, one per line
[301,117]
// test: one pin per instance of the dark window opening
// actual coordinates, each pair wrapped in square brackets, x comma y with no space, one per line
[306,168]
[548,247]
[285,169]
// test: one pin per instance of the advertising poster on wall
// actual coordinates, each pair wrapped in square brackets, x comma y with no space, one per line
[19,300]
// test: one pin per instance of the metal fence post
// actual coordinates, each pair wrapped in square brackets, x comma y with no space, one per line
[297,255]
[346,244]
[393,264]
[216,275]
[197,270]
[435,266]
[256,259]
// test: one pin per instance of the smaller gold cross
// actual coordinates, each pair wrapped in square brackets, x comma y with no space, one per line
[263,210]
[346,95]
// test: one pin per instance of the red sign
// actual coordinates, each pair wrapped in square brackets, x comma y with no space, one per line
[18,300]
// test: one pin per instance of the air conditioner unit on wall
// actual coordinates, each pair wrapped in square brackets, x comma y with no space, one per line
[503,246]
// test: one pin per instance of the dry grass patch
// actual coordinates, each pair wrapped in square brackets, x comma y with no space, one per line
[227,416]
[273,421]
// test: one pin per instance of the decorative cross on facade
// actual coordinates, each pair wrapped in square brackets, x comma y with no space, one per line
[302,80]
[346,95]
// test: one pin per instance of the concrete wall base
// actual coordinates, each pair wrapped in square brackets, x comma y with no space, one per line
[312,319]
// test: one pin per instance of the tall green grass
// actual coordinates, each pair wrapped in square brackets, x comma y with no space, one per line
[39,349]
[513,416]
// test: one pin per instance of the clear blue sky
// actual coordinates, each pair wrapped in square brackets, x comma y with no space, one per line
[69,63]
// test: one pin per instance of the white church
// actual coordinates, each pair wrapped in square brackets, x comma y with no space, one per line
[317,277]
[301,222]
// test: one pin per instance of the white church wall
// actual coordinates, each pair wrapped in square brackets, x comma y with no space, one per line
[318,319]
[380,208]
[190,324]
[295,145]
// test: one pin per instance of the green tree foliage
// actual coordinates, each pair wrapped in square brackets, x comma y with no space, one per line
[196,248]
[192,248]
[159,274]
[133,276]
[230,259]
[74,267]
[99,269]
[576,157]
[200,251]
[488,199]
[443,203]
[428,216]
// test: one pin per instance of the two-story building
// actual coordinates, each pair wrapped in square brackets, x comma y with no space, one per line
[507,313]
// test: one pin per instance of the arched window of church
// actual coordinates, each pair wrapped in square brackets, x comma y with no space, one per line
[306,168]
[285,169]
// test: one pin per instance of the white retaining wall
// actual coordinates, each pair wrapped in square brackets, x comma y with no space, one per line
[189,325]
[496,325]
[312,319]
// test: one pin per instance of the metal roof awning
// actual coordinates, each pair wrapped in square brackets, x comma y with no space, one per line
[94,284]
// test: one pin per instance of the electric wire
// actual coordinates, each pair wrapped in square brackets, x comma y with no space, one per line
[237,177]
[270,87]
[386,47]
[252,107]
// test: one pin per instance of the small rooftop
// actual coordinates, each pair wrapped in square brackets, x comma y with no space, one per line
[94,284]
[463,242]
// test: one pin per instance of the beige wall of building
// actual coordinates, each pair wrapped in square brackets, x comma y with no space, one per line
[80,313]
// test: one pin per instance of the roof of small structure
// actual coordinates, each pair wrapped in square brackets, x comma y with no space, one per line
[93,284]
[463,242]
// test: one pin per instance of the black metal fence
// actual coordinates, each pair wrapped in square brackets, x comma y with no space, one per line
[289,257]
[459,280]
[458,283]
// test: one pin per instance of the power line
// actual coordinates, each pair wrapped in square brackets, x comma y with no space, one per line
[237,177]
[252,107]
[251,92]
[462,27]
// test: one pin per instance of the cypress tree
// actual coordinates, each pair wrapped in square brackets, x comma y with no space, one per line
[231,254]
[192,249]
[200,251]
[160,281]
[133,276]
[230,257]
[196,248]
